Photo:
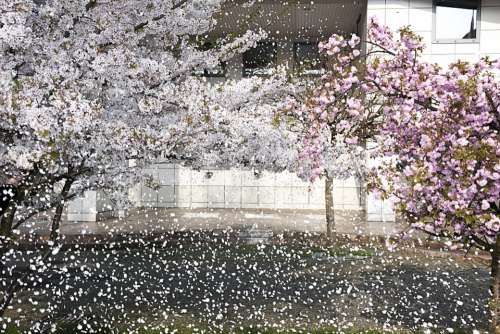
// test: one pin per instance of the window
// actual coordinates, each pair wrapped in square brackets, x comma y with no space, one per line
[260,60]
[456,20]
[307,60]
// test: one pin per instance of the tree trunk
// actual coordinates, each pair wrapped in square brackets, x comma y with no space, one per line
[495,287]
[56,219]
[329,210]
[16,284]
[7,220]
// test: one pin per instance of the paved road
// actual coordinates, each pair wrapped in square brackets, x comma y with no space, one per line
[224,284]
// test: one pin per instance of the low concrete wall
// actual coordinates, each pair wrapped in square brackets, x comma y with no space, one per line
[186,188]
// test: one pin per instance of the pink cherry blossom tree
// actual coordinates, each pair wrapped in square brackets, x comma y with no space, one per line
[435,131]
[334,119]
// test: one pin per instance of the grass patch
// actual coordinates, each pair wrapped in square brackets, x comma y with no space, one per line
[11,329]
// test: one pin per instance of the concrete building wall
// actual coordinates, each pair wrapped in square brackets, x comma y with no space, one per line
[209,188]
[419,15]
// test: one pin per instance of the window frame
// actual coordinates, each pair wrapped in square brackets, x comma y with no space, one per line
[476,40]
[276,55]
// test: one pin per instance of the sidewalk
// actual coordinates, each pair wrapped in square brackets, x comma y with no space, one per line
[182,219]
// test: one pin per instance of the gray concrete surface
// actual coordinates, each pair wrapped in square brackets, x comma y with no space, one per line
[286,286]
[176,219]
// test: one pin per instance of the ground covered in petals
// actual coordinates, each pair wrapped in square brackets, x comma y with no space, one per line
[227,286]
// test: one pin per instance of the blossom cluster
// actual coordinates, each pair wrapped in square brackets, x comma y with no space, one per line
[435,131]
[86,87]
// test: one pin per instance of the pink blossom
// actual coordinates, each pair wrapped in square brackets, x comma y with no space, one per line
[425,141]
[462,141]
[482,182]
[352,140]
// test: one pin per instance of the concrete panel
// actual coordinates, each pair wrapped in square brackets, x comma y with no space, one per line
[216,194]
[134,194]
[248,178]
[232,194]
[166,194]
[266,195]
[443,49]
[426,39]
[396,18]
[350,182]
[199,177]
[338,196]
[283,196]
[298,182]
[232,178]
[387,208]
[316,206]
[489,41]
[350,196]
[427,57]
[183,194]
[199,194]
[376,4]
[317,196]
[283,179]
[373,205]
[397,3]
[232,205]
[74,206]
[148,194]
[182,176]
[300,195]
[166,176]
[490,18]
[249,195]
[467,48]
[217,178]
[267,179]
[150,204]
[378,13]
[421,19]
[319,183]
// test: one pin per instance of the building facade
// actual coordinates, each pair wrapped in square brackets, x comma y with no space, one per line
[451,29]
